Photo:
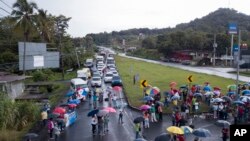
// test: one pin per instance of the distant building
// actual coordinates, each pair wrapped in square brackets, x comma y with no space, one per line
[37,56]
[11,84]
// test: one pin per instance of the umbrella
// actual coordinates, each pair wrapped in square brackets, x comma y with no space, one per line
[238,102]
[223,123]
[60,120]
[138,119]
[206,88]
[160,103]
[148,98]
[93,112]
[99,90]
[152,91]
[30,135]
[175,130]
[216,100]
[230,93]
[69,93]
[201,132]
[59,110]
[217,88]
[140,139]
[74,101]
[175,97]
[227,98]
[145,107]
[217,92]
[245,99]
[163,137]
[208,93]
[156,88]
[172,84]
[72,105]
[186,129]
[245,92]
[110,109]
[197,94]
[232,87]
[102,113]
[117,88]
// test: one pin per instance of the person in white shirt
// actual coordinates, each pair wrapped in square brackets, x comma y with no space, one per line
[94,123]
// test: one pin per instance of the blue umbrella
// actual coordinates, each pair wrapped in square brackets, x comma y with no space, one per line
[175,97]
[93,112]
[238,102]
[84,92]
[206,88]
[69,93]
[246,92]
[74,101]
[201,132]
[230,93]
[148,98]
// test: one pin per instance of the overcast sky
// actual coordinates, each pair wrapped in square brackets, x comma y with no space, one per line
[94,16]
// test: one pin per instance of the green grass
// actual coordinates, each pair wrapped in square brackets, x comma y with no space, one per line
[160,76]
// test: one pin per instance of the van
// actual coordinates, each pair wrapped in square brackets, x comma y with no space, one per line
[110,62]
[78,83]
[99,58]
[87,72]
[89,63]
[82,74]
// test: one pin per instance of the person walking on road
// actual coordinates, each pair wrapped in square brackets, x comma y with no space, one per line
[225,135]
[44,116]
[106,123]
[93,124]
[56,131]
[100,126]
[146,119]
[50,128]
[160,112]
[137,130]
[152,111]
[120,120]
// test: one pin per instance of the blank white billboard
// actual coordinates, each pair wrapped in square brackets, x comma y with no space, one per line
[38,61]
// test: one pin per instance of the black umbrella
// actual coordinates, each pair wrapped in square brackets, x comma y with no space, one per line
[30,136]
[92,113]
[163,137]
[138,119]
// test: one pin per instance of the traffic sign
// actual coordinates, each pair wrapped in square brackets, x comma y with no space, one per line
[232,28]
[144,83]
[235,48]
[190,78]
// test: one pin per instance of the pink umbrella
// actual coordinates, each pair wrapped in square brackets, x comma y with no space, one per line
[110,109]
[117,88]
[145,107]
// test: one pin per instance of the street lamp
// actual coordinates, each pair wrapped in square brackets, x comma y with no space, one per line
[238,63]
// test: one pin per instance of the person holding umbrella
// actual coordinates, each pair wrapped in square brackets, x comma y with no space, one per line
[137,130]
[93,124]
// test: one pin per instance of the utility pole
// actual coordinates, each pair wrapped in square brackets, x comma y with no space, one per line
[61,55]
[78,63]
[214,46]
[238,64]
[231,53]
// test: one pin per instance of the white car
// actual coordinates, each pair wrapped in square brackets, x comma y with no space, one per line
[115,73]
[108,77]
[96,81]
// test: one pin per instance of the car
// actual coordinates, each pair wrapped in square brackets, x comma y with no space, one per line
[115,73]
[116,81]
[96,74]
[108,77]
[89,63]
[96,82]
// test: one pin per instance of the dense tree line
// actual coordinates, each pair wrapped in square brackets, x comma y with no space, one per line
[29,23]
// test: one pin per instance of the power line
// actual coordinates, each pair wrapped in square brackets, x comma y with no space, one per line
[5,10]
[6,4]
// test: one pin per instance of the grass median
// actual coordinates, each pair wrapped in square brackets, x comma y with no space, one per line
[160,76]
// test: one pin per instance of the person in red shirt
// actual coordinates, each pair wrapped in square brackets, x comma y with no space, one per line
[240,113]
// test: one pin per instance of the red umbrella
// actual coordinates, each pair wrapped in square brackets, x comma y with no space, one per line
[145,107]
[117,88]
[172,84]
[72,105]
[217,88]
[59,110]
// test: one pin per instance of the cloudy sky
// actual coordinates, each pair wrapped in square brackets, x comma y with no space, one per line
[94,16]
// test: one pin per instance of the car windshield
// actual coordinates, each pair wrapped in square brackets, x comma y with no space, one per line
[96,79]
[116,78]
[82,86]
[109,75]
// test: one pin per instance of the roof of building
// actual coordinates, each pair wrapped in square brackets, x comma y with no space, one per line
[7,77]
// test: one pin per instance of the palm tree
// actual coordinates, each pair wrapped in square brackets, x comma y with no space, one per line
[24,16]
[45,25]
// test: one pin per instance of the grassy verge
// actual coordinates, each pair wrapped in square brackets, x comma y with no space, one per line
[161,76]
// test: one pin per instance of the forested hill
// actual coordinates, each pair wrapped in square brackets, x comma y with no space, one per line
[215,22]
